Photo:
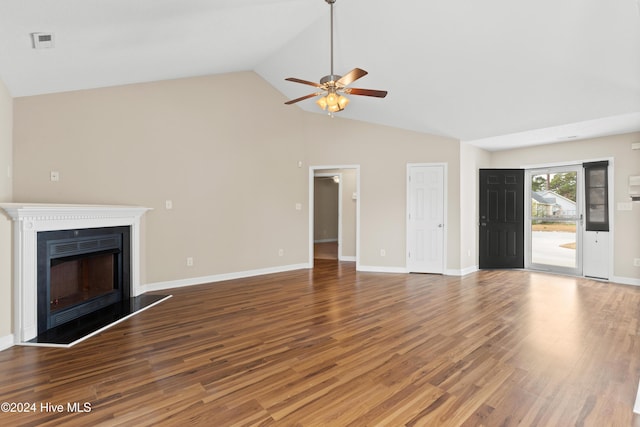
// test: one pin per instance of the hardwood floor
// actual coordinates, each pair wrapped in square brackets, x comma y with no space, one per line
[325,250]
[334,347]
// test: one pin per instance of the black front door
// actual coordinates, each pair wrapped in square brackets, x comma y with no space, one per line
[501,218]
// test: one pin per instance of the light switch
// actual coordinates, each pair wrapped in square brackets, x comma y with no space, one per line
[168,204]
[298,206]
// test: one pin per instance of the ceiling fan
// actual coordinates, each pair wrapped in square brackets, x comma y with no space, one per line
[333,86]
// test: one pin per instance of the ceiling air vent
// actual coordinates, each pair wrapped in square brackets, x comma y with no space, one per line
[42,40]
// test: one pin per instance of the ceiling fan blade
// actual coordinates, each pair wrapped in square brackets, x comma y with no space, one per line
[366,92]
[304,82]
[351,77]
[302,98]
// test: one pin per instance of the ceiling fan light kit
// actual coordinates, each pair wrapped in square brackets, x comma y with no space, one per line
[333,102]
[333,86]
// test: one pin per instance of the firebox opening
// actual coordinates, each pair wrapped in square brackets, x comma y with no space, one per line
[80,278]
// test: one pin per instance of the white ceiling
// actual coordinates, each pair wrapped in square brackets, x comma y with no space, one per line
[494,73]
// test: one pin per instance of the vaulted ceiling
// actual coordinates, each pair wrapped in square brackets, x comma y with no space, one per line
[495,73]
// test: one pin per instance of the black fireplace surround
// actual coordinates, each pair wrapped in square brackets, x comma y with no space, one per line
[80,272]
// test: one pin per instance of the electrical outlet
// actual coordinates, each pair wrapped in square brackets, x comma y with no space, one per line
[189,261]
[55,176]
[636,262]
[280,252]
[383,252]
[168,204]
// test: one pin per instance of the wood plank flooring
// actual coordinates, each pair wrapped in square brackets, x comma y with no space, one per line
[325,250]
[333,347]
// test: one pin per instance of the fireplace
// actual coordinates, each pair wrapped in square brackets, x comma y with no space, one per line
[32,220]
[81,271]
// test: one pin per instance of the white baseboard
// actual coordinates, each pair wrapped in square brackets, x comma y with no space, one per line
[158,286]
[463,272]
[6,342]
[380,269]
[448,272]
[625,280]
[348,258]
[325,240]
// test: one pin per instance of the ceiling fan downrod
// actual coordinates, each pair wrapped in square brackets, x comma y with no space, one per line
[332,76]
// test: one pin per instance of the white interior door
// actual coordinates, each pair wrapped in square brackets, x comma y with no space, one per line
[425,222]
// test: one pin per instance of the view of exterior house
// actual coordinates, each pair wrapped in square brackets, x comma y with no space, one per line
[550,204]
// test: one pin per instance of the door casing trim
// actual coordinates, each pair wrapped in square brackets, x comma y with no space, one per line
[312,173]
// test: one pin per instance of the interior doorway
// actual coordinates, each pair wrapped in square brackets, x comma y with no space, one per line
[327,212]
[334,212]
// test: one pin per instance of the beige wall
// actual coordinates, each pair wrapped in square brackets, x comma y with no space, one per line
[224,149]
[6,139]
[626,162]
[325,210]
[6,160]
[383,153]
[472,159]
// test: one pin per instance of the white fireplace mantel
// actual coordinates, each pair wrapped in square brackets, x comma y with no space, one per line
[31,218]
